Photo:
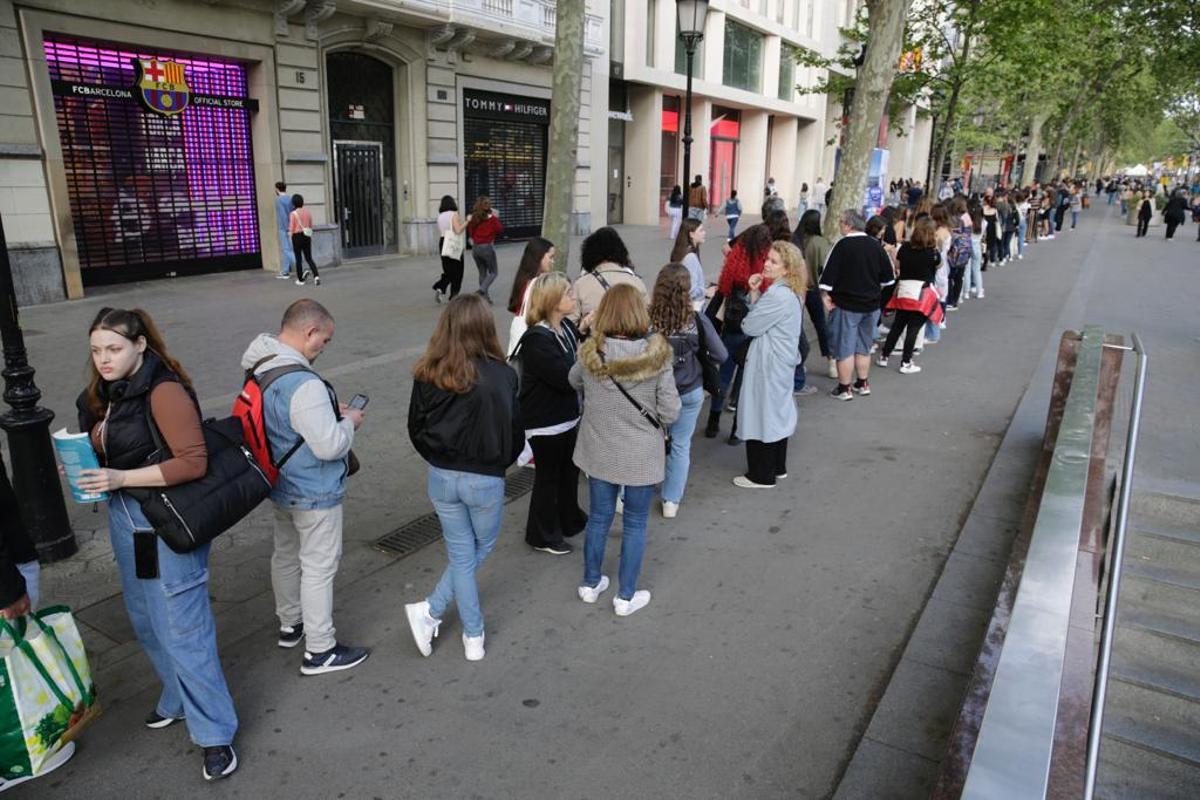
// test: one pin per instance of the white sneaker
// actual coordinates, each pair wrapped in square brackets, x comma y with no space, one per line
[620,505]
[874,348]
[423,626]
[670,509]
[589,594]
[980,295]
[745,483]
[884,330]
[640,599]
[881,361]
[832,372]
[909,368]
[473,647]
[942,326]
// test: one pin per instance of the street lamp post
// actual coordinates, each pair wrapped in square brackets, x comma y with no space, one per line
[34,474]
[692,14]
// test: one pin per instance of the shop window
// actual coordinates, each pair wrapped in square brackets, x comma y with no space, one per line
[681,56]
[743,57]
[154,192]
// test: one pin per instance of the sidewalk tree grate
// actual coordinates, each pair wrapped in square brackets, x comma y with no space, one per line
[427,529]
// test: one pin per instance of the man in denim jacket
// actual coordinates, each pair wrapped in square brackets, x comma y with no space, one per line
[301,409]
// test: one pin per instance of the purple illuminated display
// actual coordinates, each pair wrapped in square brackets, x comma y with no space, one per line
[152,194]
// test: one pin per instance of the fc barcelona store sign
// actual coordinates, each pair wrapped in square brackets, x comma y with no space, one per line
[158,159]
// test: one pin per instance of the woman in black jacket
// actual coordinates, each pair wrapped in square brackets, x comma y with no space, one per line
[463,419]
[1145,213]
[550,414]
[1175,212]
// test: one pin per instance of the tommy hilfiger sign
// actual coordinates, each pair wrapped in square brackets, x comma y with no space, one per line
[505,107]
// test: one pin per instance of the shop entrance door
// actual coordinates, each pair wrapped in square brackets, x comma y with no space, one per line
[358,196]
[616,172]
[722,176]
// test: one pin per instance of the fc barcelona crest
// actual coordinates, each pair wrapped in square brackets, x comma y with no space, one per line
[161,86]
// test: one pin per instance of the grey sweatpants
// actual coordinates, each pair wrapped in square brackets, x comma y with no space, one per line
[485,261]
[308,547]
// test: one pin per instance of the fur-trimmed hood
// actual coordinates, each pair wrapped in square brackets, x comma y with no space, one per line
[631,360]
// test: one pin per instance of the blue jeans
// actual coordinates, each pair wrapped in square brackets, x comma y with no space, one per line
[602,506]
[1074,218]
[470,507]
[973,278]
[287,253]
[800,376]
[1111,195]
[816,312]
[1022,229]
[173,620]
[733,221]
[680,457]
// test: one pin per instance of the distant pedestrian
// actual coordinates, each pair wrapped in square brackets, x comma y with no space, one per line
[770,190]
[914,194]
[697,199]
[134,383]
[733,212]
[300,226]
[855,273]
[1144,214]
[629,399]
[452,247]
[818,195]
[1076,202]
[766,411]
[303,417]
[483,227]
[675,211]
[803,204]
[537,259]
[464,420]
[283,211]
[1175,212]
[687,252]
[550,414]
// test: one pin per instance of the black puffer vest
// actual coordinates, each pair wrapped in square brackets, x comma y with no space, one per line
[128,442]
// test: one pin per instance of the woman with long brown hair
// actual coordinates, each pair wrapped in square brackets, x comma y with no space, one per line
[692,338]
[133,384]
[483,227]
[463,418]
[687,252]
[624,373]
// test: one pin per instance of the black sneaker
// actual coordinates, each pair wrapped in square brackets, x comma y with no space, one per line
[841,392]
[290,636]
[219,762]
[557,549]
[337,658]
[713,427]
[158,721]
[862,388]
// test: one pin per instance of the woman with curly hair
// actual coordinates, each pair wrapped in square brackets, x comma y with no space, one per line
[692,337]
[729,306]
[604,262]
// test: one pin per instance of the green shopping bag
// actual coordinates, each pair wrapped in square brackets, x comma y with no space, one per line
[46,691]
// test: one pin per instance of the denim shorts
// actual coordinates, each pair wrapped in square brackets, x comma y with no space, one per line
[851,332]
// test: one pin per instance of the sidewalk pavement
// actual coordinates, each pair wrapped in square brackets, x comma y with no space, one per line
[777,616]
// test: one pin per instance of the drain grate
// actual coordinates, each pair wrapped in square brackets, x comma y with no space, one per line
[427,529]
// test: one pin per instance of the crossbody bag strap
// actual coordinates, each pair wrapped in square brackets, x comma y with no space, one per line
[651,418]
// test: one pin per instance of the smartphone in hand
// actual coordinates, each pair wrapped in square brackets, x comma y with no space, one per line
[358,402]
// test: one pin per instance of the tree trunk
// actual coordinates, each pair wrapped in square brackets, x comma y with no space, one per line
[1056,160]
[1033,149]
[872,84]
[1075,159]
[947,139]
[562,156]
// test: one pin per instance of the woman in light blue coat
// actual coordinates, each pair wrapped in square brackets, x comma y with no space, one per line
[766,411]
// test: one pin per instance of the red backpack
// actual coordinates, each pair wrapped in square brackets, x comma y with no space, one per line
[248,409]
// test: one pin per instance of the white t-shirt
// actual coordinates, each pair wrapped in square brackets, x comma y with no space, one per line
[445,222]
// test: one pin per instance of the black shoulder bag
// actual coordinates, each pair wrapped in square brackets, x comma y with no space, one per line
[710,372]
[649,416]
[192,514]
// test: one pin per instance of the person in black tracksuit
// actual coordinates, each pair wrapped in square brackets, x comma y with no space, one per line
[1145,212]
[550,414]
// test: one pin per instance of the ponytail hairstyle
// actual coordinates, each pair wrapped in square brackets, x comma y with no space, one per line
[133,324]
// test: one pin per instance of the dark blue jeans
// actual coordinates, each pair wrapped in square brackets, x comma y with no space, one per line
[816,312]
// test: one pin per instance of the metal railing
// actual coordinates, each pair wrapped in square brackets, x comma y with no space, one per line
[1117,550]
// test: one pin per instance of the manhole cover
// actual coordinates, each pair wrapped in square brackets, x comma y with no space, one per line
[426,529]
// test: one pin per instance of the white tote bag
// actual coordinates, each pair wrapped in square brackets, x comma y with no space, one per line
[453,244]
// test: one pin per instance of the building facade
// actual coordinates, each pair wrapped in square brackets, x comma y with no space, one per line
[749,120]
[143,139]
